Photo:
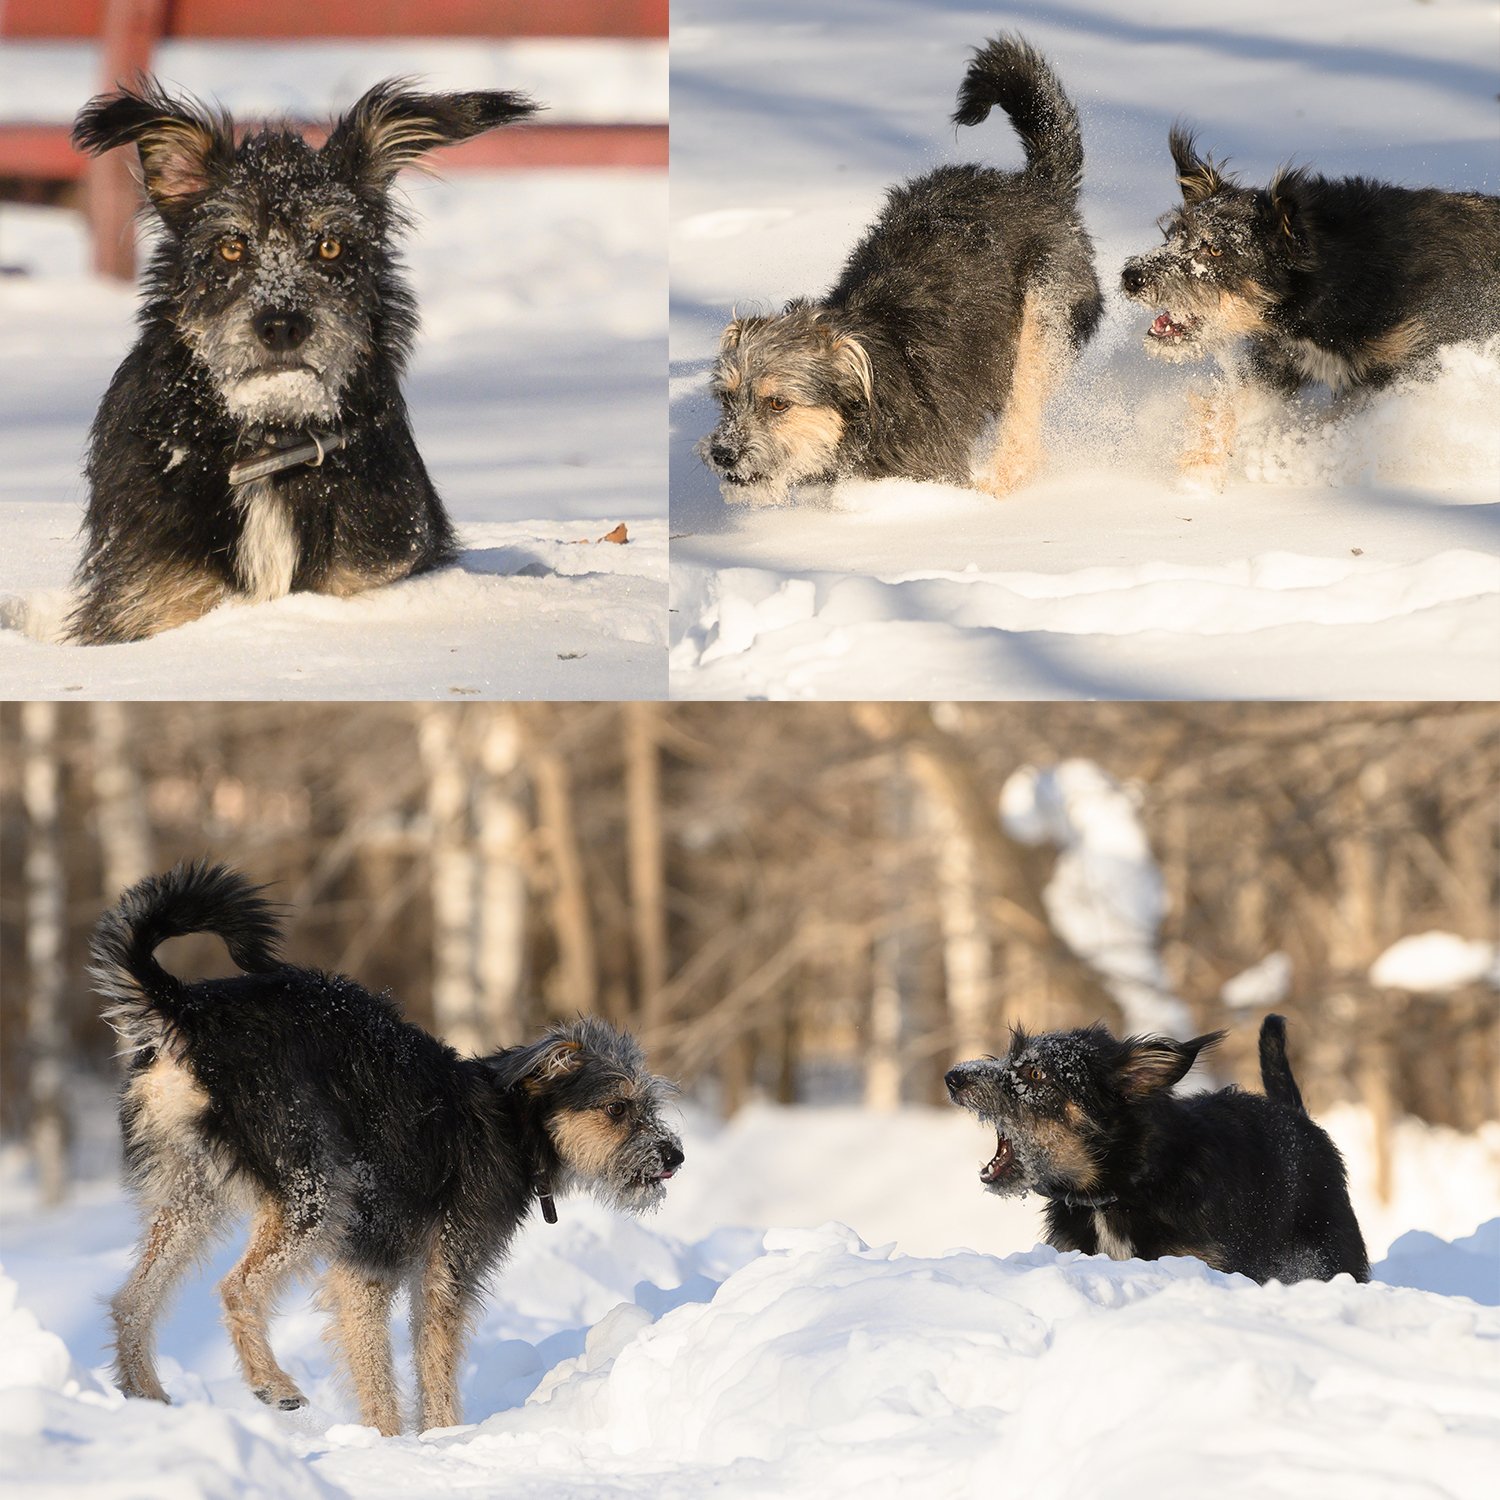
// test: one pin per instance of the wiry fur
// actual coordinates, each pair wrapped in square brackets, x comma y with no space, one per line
[933,354]
[349,1136]
[1343,282]
[1244,1182]
[274,308]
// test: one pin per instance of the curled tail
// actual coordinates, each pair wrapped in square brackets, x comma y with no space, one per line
[1275,1071]
[1014,75]
[193,898]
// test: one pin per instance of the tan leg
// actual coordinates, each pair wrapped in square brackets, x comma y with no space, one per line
[344,582]
[177,1236]
[441,1308]
[276,1253]
[158,598]
[360,1306]
[1018,451]
[1212,423]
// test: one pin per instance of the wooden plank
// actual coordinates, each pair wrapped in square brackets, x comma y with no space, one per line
[42,152]
[306,19]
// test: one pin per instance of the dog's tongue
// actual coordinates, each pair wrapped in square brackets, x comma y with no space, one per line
[999,1163]
[1165,328]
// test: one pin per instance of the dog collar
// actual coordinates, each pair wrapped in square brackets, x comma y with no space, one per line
[1080,1200]
[275,456]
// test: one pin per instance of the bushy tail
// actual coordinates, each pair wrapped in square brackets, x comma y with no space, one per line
[193,898]
[1275,1071]
[1014,75]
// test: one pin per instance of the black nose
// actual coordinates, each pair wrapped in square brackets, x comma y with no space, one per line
[671,1158]
[1132,278]
[281,331]
[722,455]
[954,1078]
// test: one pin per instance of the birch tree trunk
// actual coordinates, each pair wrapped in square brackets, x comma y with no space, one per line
[577,979]
[45,916]
[453,877]
[502,829]
[125,845]
[966,944]
[647,908]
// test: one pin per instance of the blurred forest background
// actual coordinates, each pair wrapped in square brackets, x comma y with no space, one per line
[811,903]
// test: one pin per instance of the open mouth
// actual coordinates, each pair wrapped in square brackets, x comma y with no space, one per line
[1169,330]
[1000,1165]
[729,478]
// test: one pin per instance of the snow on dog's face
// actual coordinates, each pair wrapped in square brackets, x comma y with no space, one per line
[276,266]
[1212,279]
[1060,1101]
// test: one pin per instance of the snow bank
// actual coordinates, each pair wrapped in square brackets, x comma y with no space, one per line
[825,1367]
[681,1355]
[66,1435]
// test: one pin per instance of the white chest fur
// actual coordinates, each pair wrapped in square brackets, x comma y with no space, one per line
[1115,1246]
[267,556]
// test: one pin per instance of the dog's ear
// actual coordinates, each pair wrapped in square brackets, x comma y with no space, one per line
[1198,176]
[1284,212]
[1157,1063]
[185,148]
[391,127]
[539,1064]
[850,357]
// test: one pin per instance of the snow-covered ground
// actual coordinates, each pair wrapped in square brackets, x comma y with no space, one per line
[746,1342]
[1349,556]
[536,397]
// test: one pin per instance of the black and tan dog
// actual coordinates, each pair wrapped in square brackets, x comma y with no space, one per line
[1340,281]
[933,355]
[1244,1182]
[255,441]
[351,1137]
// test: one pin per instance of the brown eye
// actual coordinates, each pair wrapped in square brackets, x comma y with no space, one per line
[615,1111]
[778,404]
[1213,250]
[1035,1074]
[330,249]
[232,250]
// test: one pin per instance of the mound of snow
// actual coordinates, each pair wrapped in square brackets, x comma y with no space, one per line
[1432,962]
[1467,1267]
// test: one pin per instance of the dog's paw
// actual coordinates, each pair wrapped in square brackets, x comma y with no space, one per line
[1201,479]
[283,1397]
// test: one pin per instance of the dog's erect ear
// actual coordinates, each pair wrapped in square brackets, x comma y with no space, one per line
[1156,1063]
[185,148]
[1283,209]
[392,127]
[541,1063]
[1198,176]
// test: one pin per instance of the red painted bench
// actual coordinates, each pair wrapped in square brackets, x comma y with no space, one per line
[37,159]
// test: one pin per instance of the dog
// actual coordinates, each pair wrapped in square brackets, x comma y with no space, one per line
[954,316]
[255,442]
[1343,282]
[1243,1182]
[351,1137]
